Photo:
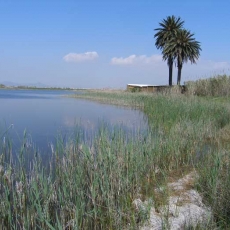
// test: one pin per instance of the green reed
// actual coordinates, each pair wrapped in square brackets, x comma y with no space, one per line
[218,85]
[92,185]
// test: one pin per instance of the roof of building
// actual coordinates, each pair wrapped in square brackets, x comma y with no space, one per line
[139,85]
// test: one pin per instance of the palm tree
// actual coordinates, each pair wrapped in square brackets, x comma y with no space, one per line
[168,28]
[183,48]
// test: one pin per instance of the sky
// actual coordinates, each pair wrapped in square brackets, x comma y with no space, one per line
[106,43]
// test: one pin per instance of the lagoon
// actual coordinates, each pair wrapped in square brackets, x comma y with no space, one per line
[45,114]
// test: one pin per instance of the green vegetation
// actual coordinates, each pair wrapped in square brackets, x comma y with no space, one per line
[91,185]
[218,86]
[177,45]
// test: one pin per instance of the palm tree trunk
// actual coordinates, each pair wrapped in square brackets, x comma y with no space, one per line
[170,74]
[170,64]
[179,74]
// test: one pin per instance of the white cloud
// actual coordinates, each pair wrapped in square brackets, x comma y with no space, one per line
[134,60]
[75,57]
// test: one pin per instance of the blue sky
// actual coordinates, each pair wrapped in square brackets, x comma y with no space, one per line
[105,43]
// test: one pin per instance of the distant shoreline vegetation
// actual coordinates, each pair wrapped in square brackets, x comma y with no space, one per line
[2,86]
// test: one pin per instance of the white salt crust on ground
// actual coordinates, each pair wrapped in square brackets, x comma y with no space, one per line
[184,209]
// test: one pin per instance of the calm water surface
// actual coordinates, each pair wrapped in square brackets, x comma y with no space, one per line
[46,113]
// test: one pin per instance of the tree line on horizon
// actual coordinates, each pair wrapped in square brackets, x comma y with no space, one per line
[177,45]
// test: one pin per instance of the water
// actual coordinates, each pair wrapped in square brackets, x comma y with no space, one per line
[46,113]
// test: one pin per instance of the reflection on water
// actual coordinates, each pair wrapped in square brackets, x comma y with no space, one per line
[45,113]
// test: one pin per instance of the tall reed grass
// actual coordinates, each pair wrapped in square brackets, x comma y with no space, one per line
[215,86]
[92,186]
